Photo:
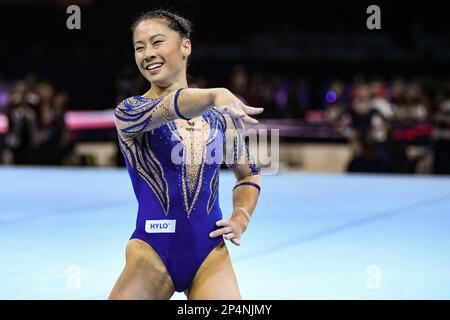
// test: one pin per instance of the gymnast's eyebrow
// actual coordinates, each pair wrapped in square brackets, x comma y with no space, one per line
[159,34]
[151,38]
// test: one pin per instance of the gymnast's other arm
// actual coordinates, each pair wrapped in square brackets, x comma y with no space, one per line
[247,187]
[133,118]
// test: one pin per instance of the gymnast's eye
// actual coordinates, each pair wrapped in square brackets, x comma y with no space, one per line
[138,49]
[157,42]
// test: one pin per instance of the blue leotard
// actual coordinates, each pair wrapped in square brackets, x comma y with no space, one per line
[178,203]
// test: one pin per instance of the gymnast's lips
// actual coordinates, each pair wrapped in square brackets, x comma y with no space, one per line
[153,66]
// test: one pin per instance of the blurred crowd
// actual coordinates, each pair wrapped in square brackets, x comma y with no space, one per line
[369,113]
[37,133]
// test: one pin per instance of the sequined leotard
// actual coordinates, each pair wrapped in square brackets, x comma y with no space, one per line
[178,202]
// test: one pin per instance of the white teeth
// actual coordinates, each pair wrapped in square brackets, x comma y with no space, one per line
[154,66]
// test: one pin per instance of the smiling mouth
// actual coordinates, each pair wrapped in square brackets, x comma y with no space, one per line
[154,66]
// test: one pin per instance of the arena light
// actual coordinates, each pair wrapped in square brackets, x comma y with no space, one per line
[330,96]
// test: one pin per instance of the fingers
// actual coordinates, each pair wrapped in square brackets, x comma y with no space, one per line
[226,231]
[236,242]
[229,236]
[238,113]
[221,232]
[241,112]
[252,111]
[250,120]
[233,238]
[222,223]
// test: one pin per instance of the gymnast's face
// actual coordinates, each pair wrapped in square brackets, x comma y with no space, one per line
[160,52]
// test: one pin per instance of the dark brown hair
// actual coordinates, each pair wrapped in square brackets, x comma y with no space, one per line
[177,23]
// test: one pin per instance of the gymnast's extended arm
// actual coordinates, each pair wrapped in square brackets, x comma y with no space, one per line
[136,115]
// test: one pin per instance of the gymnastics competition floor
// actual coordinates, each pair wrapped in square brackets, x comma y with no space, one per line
[313,236]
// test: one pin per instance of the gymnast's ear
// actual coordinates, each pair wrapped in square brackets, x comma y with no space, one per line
[186,47]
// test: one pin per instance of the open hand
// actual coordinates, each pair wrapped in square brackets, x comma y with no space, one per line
[226,102]
[231,229]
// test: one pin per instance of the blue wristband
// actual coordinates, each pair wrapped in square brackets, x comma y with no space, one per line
[175,105]
[248,184]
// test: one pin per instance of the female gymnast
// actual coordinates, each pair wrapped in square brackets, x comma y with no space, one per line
[178,241]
